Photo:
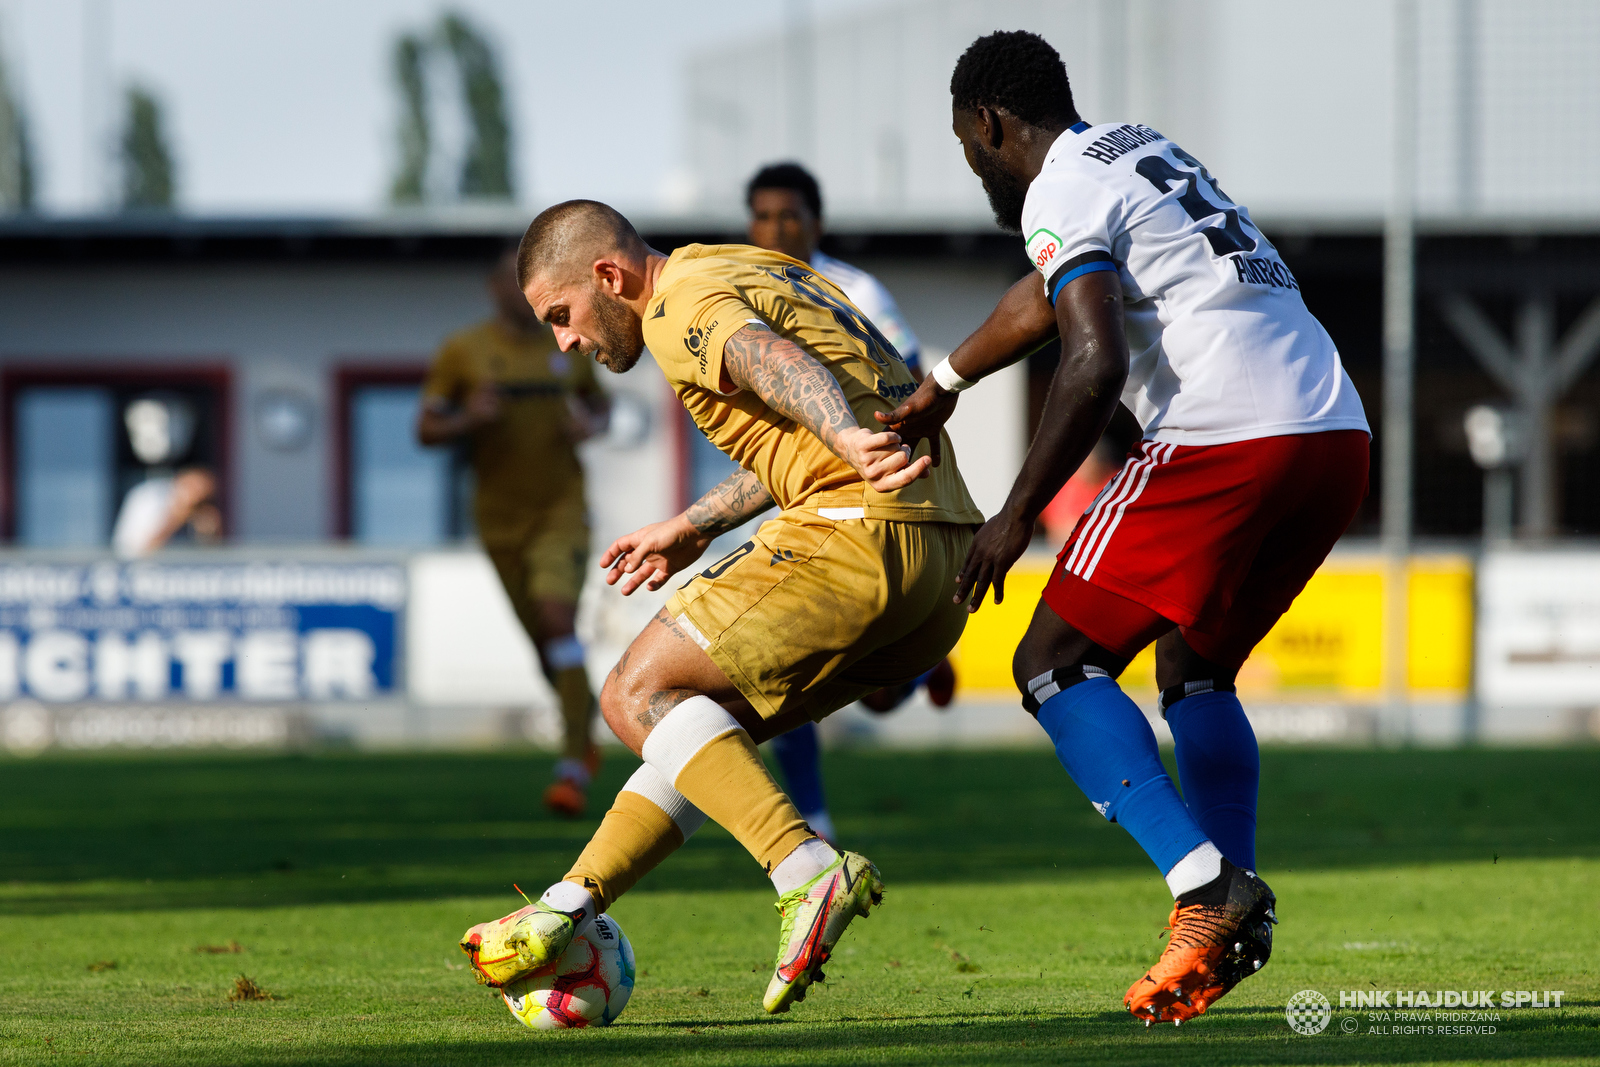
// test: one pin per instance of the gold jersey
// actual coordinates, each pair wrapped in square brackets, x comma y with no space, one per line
[707,293]
[525,461]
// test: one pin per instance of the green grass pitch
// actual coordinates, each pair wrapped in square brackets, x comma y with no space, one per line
[135,891]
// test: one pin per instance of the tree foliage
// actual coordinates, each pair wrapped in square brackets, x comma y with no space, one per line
[410,183]
[16,153]
[486,165]
[486,171]
[147,173]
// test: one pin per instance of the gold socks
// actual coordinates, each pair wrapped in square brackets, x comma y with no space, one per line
[648,822]
[727,780]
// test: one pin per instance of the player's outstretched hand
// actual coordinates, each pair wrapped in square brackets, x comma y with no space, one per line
[998,545]
[921,416]
[651,555]
[881,459]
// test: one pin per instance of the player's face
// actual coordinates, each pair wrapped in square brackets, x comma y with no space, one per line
[781,221]
[591,320]
[1006,191]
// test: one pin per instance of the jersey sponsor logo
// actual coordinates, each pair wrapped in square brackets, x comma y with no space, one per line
[1253,270]
[524,390]
[1042,247]
[895,392]
[696,341]
[1109,147]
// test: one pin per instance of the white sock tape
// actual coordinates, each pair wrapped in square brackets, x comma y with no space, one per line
[1201,865]
[648,783]
[948,379]
[685,730]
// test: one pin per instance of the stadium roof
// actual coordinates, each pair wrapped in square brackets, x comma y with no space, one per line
[479,233]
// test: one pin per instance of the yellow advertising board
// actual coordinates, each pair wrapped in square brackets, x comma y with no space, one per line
[1328,644]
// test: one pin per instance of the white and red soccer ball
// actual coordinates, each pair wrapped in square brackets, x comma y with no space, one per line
[588,986]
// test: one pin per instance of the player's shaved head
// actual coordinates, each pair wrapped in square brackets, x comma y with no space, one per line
[579,265]
[563,241]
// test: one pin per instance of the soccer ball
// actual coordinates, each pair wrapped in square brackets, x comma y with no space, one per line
[588,986]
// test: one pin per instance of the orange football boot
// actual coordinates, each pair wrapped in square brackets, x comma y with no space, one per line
[1212,947]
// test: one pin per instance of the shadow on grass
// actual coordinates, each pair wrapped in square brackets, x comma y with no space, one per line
[171,831]
[1247,1038]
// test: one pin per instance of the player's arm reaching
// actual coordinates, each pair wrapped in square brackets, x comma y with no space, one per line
[655,553]
[795,385]
[1021,322]
[1082,400]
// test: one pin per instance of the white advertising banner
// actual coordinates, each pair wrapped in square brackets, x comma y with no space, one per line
[1539,629]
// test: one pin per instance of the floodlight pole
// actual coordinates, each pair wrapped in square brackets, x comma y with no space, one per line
[1399,335]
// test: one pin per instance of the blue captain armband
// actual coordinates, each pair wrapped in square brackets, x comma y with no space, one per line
[1077,267]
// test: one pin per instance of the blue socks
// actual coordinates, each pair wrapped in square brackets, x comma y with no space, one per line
[801,761]
[1106,745]
[1220,768]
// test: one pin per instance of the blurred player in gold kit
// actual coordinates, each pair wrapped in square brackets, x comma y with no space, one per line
[845,591]
[521,405]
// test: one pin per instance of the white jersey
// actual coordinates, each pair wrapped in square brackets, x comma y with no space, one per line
[875,302]
[1221,346]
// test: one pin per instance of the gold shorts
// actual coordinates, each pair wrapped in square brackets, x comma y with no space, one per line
[814,613]
[548,564]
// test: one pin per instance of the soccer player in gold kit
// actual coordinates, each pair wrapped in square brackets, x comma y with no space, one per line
[846,590]
[521,405]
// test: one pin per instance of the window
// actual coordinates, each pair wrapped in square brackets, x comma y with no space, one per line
[400,490]
[391,490]
[72,462]
[65,467]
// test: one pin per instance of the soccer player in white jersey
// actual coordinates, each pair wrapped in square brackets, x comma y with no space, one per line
[1252,462]
[785,205]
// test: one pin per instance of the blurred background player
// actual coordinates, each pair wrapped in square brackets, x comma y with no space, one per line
[521,406]
[785,205]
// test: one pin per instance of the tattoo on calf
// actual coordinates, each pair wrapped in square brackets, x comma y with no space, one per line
[661,702]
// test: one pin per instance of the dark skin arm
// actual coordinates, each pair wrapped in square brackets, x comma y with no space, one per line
[1083,398]
[1021,322]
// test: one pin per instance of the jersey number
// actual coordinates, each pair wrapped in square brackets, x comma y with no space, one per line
[1225,239]
[853,322]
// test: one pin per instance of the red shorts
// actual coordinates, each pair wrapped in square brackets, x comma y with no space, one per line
[1217,540]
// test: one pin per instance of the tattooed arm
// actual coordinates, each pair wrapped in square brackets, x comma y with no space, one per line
[650,556]
[796,386]
[736,498]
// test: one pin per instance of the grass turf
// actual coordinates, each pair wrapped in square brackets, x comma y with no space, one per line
[1016,918]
